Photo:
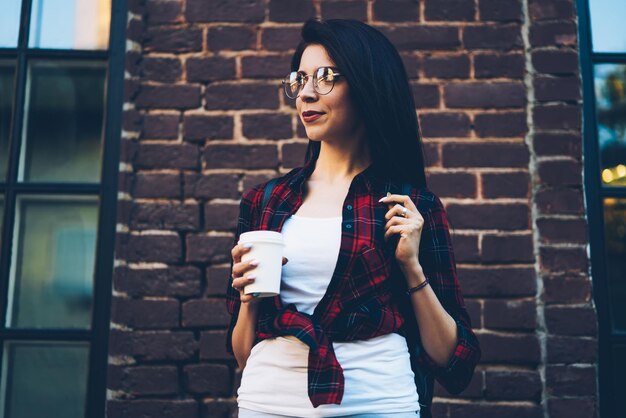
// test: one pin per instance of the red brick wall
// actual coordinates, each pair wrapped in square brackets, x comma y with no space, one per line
[497,87]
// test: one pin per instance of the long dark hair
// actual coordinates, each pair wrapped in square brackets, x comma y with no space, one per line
[379,89]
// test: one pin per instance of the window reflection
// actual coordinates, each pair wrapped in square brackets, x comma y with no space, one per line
[51,282]
[615,236]
[1,216]
[7,80]
[9,22]
[618,370]
[44,379]
[610,89]
[607,21]
[64,121]
[70,24]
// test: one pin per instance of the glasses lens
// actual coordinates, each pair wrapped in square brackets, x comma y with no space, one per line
[292,83]
[324,80]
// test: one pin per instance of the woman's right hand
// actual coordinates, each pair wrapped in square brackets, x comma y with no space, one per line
[240,280]
[239,269]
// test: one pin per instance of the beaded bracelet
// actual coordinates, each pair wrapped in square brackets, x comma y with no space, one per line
[418,287]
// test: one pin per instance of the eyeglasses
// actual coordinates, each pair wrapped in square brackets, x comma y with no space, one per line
[323,81]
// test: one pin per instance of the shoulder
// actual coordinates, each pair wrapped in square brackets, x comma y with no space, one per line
[254,194]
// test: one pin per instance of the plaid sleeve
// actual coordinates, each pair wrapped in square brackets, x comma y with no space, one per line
[438,263]
[247,211]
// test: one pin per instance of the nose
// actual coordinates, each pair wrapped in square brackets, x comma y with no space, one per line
[308,93]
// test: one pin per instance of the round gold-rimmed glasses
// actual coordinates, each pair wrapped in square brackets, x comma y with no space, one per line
[323,81]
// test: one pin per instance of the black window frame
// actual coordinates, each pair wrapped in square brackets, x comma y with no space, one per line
[595,193]
[106,190]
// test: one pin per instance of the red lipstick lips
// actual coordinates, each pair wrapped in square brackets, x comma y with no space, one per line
[311,115]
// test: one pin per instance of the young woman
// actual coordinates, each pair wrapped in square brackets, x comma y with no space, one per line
[370,309]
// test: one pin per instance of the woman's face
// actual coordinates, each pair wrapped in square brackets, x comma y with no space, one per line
[338,120]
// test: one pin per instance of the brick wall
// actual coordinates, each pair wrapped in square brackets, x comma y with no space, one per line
[497,87]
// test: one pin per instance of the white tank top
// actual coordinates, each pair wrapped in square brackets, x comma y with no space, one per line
[377,372]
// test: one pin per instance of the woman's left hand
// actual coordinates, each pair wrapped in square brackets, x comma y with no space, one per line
[404,219]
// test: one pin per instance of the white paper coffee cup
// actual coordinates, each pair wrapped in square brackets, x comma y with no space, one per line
[267,247]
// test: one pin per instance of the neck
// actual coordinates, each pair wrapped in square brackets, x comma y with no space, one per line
[337,164]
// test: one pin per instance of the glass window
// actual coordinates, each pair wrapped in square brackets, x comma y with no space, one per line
[44,379]
[607,21]
[9,23]
[615,236]
[70,24]
[52,268]
[64,121]
[1,215]
[55,63]
[618,371]
[7,81]
[610,89]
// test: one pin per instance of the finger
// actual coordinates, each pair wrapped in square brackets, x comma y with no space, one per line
[239,250]
[247,298]
[404,200]
[395,229]
[240,282]
[240,268]
[396,220]
[405,222]
[396,210]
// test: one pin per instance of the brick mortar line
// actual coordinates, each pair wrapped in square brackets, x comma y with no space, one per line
[239,171]
[541,330]
[558,216]
[142,265]
[495,367]
[164,112]
[481,265]
[123,196]
[475,170]
[474,110]
[499,233]
[469,201]
[570,305]
[481,401]
[270,24]
[556,48]
[567,245]
[467,140]
[557,158]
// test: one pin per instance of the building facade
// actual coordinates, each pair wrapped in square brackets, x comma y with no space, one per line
[129,130]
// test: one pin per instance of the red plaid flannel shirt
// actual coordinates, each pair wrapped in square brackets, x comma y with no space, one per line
[366,295]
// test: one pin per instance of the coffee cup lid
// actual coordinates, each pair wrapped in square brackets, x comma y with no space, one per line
[261,236]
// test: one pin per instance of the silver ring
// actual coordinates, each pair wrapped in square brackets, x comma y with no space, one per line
[404,211]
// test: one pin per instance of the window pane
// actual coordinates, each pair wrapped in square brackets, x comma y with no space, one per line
[1,217]
[610,88]
[618,370]
[64,122]
[52,269]
[70,24]
[7,81]
[615,235]
[607,21]
[44,379]
[9,23]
